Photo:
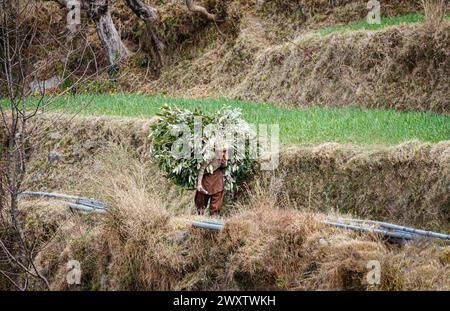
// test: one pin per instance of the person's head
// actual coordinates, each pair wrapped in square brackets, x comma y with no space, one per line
[221,149]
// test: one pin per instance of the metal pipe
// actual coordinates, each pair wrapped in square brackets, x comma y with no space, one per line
[80,203]
[85,205]
[214,222]
[206,225]
[79,200]
[398,235]
[81,207]
[96,206]
[85,208]
[407,229]
[91,202]
[50,195]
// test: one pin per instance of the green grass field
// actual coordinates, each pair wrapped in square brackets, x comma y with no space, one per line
[385,22]
[301,125]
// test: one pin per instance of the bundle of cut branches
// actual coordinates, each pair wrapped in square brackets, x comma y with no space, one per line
[182,140]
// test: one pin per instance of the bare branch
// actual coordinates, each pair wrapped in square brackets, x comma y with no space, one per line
[201,10]
[149,15]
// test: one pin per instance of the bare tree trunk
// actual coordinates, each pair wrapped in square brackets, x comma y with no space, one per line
[199,9]
[149,15]
[109,37]
[99,12]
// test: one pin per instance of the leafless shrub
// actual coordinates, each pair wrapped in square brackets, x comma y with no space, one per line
[25,61]
[434,11]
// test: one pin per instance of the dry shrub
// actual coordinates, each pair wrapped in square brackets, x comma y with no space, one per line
[132,192]
[418,265]
[137,229]
[434,11]
[117,249]
[275,248]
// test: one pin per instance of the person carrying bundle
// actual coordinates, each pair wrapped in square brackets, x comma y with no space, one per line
[210,184]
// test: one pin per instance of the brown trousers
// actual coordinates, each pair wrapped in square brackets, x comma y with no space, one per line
[215,202]
[213,184]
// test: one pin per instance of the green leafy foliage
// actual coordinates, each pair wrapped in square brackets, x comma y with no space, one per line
[174,131]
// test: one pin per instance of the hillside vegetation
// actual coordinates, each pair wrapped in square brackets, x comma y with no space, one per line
[291,53]
[364,115]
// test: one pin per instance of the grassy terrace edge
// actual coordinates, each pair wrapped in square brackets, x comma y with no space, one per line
[309,125]
[406,19]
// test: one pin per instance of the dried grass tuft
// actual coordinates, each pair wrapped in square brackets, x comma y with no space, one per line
[434,11]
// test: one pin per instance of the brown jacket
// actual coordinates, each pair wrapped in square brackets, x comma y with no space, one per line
[213,183]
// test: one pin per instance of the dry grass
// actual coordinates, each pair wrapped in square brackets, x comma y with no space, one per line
[405,184]
[387,68]
[266,244]
[434,11]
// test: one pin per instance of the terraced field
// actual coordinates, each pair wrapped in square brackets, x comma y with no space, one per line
[307,125]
